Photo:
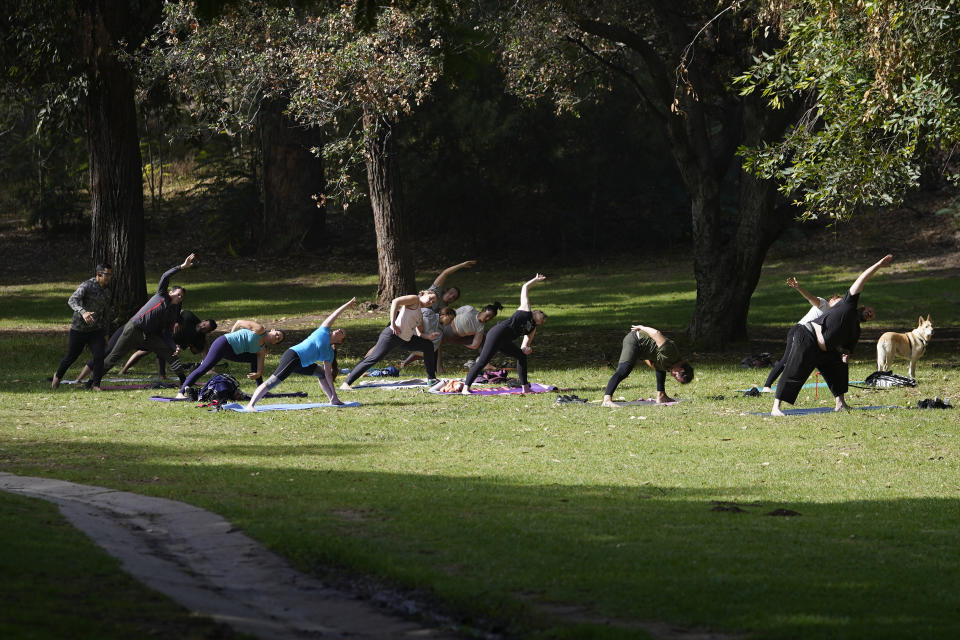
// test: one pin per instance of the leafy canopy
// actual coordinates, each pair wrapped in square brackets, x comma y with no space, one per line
[878,80]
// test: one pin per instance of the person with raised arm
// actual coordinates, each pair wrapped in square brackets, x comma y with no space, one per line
[646,344]
[404,330]
[826,344]
[523,322]
[448,296]
[319,348]
[246,342]
[818,306]
[151,328]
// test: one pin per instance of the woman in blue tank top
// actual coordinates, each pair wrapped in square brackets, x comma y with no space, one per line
[244,343]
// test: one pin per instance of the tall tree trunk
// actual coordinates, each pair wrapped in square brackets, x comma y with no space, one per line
[292,177]
[393,252]
[116,186]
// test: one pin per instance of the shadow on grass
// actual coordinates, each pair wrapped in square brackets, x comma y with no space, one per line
[498,549]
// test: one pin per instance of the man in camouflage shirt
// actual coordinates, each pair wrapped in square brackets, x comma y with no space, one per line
[91,304]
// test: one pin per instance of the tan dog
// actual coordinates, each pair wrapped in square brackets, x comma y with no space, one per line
[910,345]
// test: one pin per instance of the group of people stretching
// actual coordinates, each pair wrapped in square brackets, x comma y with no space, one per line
[421,323]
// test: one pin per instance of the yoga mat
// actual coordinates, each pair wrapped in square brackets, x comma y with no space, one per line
[809,385]
[394,384]
[804,411]
[133,387]
[649,401]
[234,406]
[495,391]
[291,394]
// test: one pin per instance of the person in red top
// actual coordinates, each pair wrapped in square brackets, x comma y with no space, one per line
[151,328]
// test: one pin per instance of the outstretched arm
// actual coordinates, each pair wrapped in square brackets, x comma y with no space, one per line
[165,278]
[658,337]
[524,297]
[857,285]
[440,279]
[812,299]
[256,327]
[333,316]
[326,383]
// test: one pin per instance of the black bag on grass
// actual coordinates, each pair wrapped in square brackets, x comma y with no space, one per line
[887,379]
[220,388]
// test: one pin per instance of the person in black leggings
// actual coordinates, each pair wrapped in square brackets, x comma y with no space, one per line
[403,331]
[523,322]
[91,304]
[826,344]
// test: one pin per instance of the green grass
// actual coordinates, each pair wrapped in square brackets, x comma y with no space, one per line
[543,520]
[57,584]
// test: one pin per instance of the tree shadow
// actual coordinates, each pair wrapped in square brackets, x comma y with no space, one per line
[511,550]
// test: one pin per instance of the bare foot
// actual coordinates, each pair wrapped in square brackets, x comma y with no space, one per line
[609,403]
[180,396]
[766,390]
[465,391]
[96,388]
[663,398]
[55,383]
[841,406]
[525,388]
[777,412]
[346,387]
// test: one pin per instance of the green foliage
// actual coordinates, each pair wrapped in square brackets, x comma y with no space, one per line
[320,65]
[878,82]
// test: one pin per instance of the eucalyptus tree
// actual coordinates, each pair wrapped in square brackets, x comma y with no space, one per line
[880,86]
[677,60]
[324,71]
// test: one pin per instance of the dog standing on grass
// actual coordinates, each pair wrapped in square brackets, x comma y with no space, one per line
[910,345]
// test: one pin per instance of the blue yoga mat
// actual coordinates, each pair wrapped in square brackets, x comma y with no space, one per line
[809,385]
[804,411]
[234,406]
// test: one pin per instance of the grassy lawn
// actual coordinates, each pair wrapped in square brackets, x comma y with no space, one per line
[534,519]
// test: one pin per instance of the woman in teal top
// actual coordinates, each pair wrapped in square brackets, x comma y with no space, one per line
[304,357]
[244,343]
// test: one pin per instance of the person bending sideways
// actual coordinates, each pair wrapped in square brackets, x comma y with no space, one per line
[648,345]
[246,342]
[404,331]
[318,351]
[151,328]
[818,306]
[523,322]
[826,344]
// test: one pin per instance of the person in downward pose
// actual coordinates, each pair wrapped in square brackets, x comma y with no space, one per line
[662,355]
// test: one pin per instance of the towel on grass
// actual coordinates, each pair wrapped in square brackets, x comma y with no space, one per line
[495,391]
[235,406]
[392,384]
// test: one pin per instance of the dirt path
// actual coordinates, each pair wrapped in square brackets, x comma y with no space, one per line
[198,559]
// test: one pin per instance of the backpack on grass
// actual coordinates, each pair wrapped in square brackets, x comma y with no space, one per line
[887,379]
[220,388]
